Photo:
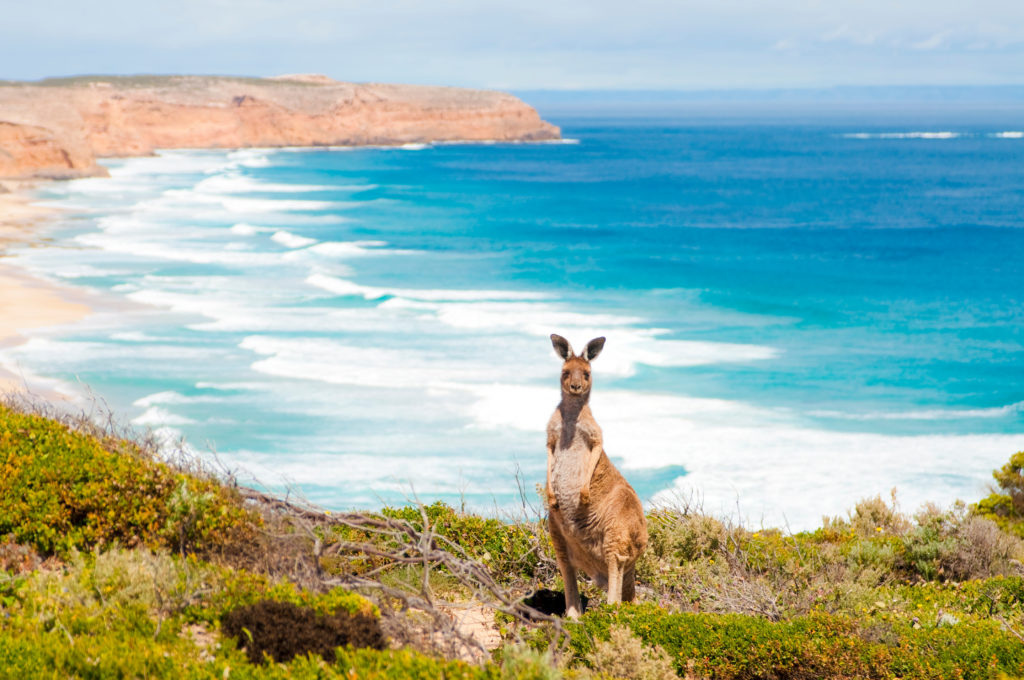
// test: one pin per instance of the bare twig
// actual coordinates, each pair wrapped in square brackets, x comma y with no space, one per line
[391,543]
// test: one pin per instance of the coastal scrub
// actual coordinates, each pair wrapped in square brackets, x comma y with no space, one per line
[64,490]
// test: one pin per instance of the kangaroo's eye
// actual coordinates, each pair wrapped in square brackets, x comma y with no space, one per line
[565,374]
[586,375]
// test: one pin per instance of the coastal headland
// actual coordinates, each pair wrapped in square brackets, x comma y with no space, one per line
[58,128]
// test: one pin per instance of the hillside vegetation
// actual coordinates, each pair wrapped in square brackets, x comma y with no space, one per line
[117,562]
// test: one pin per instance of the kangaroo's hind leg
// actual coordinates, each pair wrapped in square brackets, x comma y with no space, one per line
[573,606]
[629,584]
[614,579]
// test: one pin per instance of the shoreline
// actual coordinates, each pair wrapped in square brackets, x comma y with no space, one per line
[28,302]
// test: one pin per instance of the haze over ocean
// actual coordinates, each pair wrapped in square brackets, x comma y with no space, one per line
[799,313]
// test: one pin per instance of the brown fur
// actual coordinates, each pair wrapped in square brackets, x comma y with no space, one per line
[596,519]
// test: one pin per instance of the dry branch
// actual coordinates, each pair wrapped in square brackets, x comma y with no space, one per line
[394,543]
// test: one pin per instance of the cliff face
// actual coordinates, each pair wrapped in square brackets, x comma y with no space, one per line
[32,151]
[58,128]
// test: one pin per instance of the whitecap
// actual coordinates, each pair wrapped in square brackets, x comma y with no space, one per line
[243,229]
[240,184]
[257,205]
[172,397]
[132,336]
[904,135]
[339,286]
[335,250]
[154,415]
[925,414]
[290,240]
[200,254]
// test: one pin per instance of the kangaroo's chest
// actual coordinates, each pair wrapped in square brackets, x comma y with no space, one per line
[568,469]
[567,477]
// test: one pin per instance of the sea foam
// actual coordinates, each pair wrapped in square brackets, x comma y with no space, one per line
[343,287]
[290,240]
[905,135]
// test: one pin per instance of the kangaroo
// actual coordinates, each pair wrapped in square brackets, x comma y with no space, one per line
[596,520]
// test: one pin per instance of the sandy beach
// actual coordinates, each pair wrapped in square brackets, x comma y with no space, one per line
[26,302]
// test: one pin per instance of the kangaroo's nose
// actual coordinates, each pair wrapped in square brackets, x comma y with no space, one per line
[576,386]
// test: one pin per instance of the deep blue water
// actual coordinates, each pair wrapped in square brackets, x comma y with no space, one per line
[798,314]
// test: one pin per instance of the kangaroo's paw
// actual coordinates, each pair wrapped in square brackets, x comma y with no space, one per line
[585,495]
[552,501]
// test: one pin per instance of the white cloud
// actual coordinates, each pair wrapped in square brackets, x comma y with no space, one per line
[933,42]
[846,34]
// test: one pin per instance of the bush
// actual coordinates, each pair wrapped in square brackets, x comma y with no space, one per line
[625,656]
[729,646]
[873,515]
[1005,506]
[958,545]
[511,551]
[684,536]
[127,613]
[521,662]
[283,630]
[62,490]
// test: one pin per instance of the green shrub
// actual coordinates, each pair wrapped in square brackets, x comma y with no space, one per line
[958,545]
[62,490]
[127,613]
[1005,505]
[684,536]
[726,646]
[404,664]
[522,662]
[113,654]
[878,554]
[232,588]
[873,515]
[625,656]
[510,551]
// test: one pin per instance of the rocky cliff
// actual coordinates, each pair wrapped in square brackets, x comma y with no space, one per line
[59,127]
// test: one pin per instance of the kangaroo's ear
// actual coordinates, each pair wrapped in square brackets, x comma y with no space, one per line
[593,348]
[562,346]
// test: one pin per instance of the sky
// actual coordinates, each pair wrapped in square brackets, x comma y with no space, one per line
[530,44]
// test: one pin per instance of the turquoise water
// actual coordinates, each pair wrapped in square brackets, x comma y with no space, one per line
[798,314]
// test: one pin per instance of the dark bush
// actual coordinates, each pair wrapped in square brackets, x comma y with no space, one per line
[284,630]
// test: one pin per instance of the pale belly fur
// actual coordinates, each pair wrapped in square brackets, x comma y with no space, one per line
[567,477]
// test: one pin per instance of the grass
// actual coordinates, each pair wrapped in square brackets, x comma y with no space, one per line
[117,562]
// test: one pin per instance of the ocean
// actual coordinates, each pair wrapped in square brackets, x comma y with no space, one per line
[800,313]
